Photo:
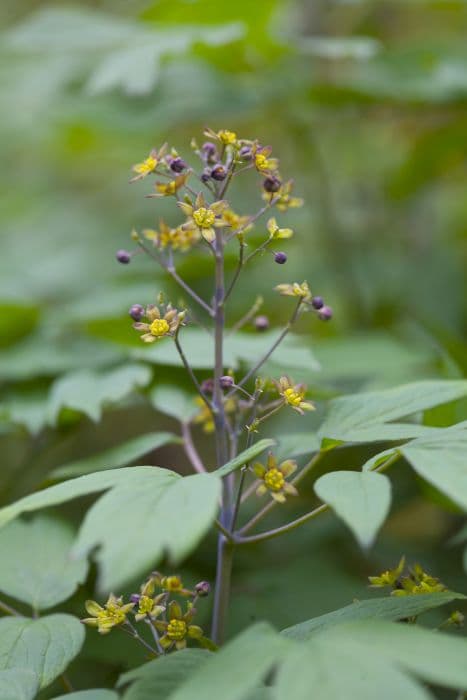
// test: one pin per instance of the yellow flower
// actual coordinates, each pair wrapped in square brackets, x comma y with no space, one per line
[283,197]
[273,477]
[236,221]
[112,614]
[149,607]
[418,582]
[389,577]
[294,395]
[149,164]
[178,627]
[226,137]
[295,290]
[174,238]
[276,232]
[159,326]
[263,163]
[167,189]
[203,217]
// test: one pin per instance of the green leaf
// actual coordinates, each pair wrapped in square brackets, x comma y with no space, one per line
[11,329]
[442,461]
[157,679]
[18,684]
[339,673]
[45,646]
[87,392]
[238,668]
[432,655]
[94,694]
[361,499]
[362,417]
[173,401]
[298,444]
[115,457]
[36,566]
[245,456]
[391,608]
[147,513]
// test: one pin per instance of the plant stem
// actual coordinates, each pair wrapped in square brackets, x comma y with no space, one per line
[8,609]
[174,274]
[155,634]
[238,269]
[225,550]
[190,372]
[249,315]
[190,449]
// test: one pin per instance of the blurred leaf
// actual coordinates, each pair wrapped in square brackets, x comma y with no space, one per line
[254,651]
[367,412]
[245,457]
[158,678]
[36,564]
[173,401]
[118,456]
[87,392]
[391,608]
[298,444]
[95,694]
[16,321]
[126,521]
[359,48]
[361,499]
[28,409]
[44,646]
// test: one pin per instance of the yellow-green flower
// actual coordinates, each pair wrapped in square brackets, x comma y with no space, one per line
[273,477]
[295,290]
[149,607]
[276,232]
[283,197]
[236,221]
[389,577]
[263,163]
[159,326]
[203,217]
[418,582]
[294,395]
[113,613]
[149,164]
[178,628]
[168,189]
[175,238]
[226,137]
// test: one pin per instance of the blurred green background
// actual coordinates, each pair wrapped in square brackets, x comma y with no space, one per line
[365,103]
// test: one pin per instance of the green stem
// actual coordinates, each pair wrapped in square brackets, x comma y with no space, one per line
[8,609]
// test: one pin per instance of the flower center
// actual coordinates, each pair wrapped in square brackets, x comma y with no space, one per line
[159,327]
[203,217]
[274,479]
[261,161]
[227,137]
[146,605]
[172,583]
[176,629]
[148,165]
[111,615]
[294,398]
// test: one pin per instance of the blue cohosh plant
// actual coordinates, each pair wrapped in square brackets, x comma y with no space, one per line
[234,410]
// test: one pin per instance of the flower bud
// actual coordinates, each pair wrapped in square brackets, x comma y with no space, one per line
[134,598]
[272,184]
[177,165]
[261,323]
[136,312]
[280,258]
[123,256]
[207,386]
[206,175]
[210,151]
[317,302]
[203,588]
[219,172]
[325,313]
[245,153]
[226,381]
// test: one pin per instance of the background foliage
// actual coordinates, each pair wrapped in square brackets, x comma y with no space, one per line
[364,101]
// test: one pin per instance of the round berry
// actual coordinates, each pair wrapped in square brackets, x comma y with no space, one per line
[177,164]
[280,258]
[136,312]
[206,175]
[207,386]
[272,184]
[123,256]
[261,323]
[226,381]
[245,153]
[317,302]
[203,588]
[218,173]
[325,313]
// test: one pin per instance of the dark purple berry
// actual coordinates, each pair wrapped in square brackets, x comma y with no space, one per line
[272,184]
[218,173]
[325,313]
[136,312]
[203,588]
[261,323]
[206,175]
[245,153]
[280,258]
[226,381]
[317,302]
[123,256]
[177,164]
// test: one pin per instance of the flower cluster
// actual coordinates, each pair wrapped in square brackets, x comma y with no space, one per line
[160,323]
[155,606]
[293,395]
[416,581]
[273,478]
